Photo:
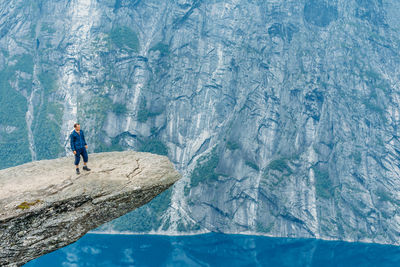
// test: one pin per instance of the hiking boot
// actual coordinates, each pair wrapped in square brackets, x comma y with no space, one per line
[86,168]
[77,171]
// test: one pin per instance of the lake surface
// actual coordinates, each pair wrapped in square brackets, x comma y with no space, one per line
[215,249]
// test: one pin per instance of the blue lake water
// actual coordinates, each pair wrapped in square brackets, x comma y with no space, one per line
[215,249]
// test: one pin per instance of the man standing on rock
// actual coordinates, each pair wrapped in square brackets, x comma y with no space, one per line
[79,146]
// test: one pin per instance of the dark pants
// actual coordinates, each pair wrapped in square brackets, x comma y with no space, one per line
[81,151]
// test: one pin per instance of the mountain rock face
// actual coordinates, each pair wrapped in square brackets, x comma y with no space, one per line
[282,116]
[44,205]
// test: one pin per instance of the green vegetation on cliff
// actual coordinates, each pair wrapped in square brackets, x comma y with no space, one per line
[14,146]
[205,169]
[124,37]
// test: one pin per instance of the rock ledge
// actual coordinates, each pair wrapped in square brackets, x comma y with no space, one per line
[44,205]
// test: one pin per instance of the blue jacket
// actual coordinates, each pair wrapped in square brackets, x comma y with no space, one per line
[77,140]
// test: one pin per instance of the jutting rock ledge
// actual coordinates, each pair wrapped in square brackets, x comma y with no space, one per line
[44,205]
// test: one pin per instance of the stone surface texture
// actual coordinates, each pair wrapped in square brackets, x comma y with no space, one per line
[283,116]
[61,206]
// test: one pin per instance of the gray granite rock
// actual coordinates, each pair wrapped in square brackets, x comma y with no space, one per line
[283,116]
[45,205]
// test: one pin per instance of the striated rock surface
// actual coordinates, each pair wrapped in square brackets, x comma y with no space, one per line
[283,116]
[44,205]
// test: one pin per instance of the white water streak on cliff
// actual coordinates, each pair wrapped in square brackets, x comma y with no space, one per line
[83,14]
[312,201]
[140,73]
[29,118]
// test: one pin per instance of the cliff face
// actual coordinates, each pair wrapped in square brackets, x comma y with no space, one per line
[283,116]
[44,205]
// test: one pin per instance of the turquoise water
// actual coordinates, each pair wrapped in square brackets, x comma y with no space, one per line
[216,250]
